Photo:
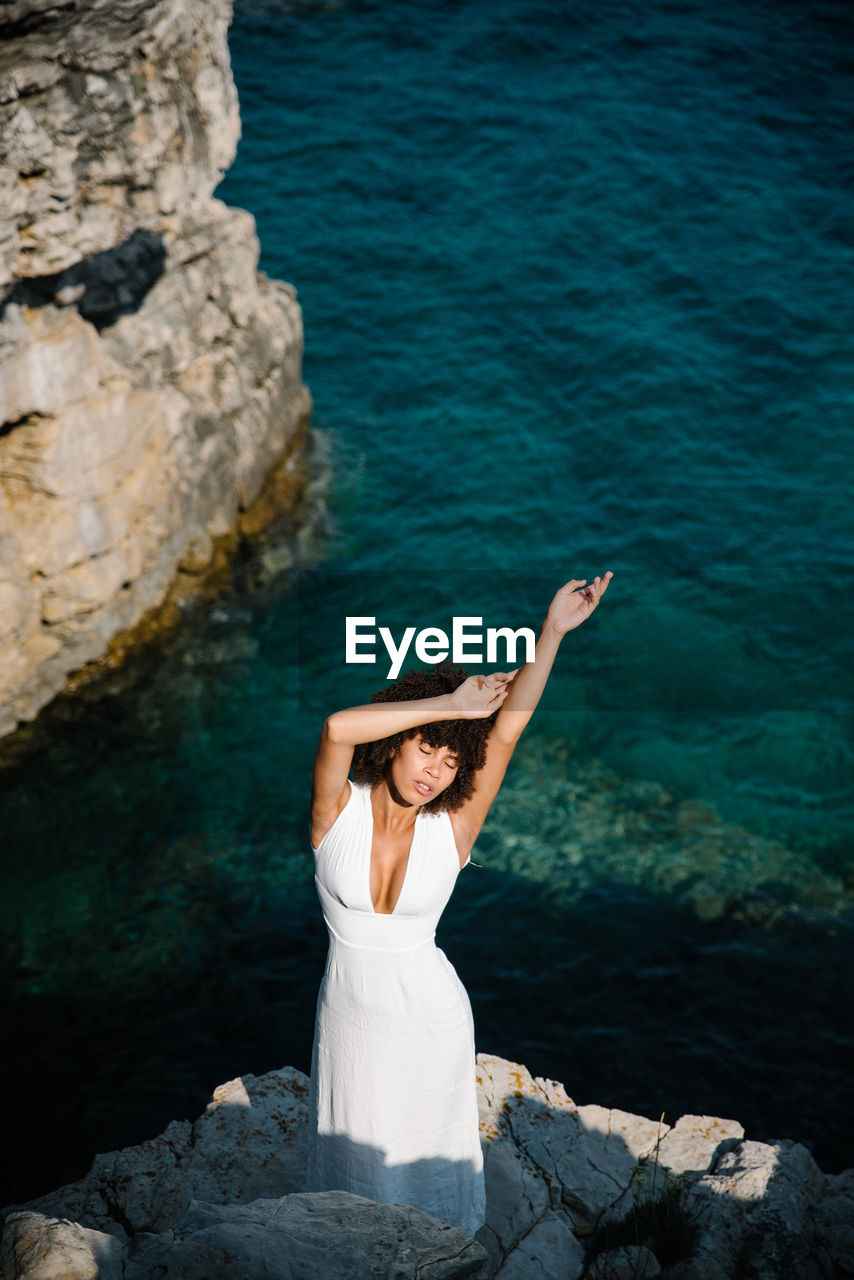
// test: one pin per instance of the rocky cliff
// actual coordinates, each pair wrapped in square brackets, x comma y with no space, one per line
[224,1197]
[150,377]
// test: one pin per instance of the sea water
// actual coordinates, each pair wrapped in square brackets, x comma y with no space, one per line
[576,291]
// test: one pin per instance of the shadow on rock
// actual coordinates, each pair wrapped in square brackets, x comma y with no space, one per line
[224,1196]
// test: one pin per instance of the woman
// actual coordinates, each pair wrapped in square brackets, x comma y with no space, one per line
[401,788]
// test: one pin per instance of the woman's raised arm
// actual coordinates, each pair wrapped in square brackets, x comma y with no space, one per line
[572,605]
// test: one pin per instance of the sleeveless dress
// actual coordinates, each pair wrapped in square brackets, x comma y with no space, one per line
[393,1096]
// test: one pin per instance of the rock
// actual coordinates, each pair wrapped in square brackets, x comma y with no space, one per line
[224,1196]
[631,1262]
[832,1221]
[330,1236]
[198,553]
[583,1156]
[38,1248]
[766,1207]
[756,1207]
[694,1142]
[775,1242]
[250,1142]
[517,1194]
[150,376]
[551,1167]
[550,1251]
[111,116]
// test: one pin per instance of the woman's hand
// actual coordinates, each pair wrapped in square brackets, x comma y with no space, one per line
[479,696]
[575,602]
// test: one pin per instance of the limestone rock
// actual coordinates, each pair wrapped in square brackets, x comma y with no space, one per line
[106,489]
[111,115]
[694,1142]
[517,1193]
[333,1236]
[230,1186]
[757,1208]
[328,1236]
[550,1251]
[583,1155]
[551,1167]
[38,1248]
[150,376]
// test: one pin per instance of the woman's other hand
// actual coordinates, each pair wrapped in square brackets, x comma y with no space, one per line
[479,696]
[575,602]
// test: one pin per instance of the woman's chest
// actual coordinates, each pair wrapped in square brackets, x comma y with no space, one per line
[369,871]
[389,856]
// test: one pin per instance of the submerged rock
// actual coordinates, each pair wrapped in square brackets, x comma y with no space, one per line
[224,1196]
[150,376]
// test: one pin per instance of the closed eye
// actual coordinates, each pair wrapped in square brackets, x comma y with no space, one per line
[428,751]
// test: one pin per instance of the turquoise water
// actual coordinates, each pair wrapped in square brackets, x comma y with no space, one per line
[576,296]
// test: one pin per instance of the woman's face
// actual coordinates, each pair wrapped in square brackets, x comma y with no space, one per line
[421,772]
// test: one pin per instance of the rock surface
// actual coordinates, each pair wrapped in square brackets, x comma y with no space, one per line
[150,377]
[299,1237]
[249,1143]
[112,115]
[224,1196]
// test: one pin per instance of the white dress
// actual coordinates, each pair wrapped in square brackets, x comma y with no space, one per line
[393,1099]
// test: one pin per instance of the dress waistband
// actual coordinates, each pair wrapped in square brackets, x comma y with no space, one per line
[361,946]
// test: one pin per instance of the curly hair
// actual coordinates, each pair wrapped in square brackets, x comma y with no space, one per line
[466,738]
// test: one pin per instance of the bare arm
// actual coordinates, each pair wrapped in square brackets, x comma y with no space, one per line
[571,606]
[477,697]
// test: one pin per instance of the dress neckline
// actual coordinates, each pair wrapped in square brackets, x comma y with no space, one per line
[405,870]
